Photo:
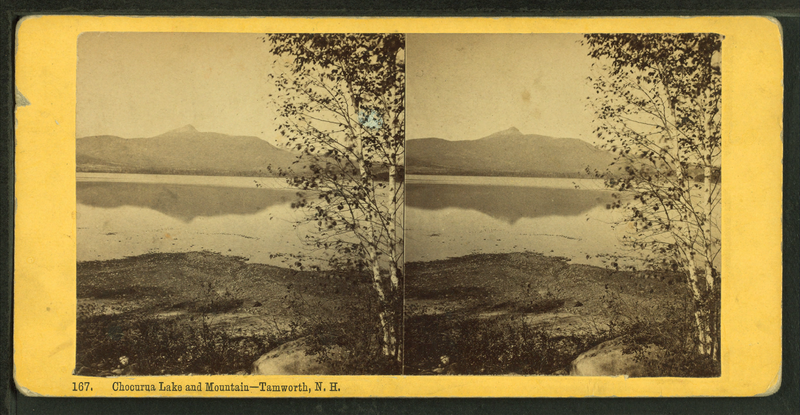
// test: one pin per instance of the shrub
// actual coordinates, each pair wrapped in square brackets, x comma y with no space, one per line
[488,346]
[350,324]
[135,344]
[672,328]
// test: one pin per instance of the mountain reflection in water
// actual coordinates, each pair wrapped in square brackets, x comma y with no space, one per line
[507,203]
[184,202]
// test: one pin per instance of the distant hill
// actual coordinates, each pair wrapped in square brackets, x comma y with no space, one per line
[506,153]
[181,151]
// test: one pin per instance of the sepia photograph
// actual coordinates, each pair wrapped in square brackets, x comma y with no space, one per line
[398,207]
[563,205]
[239,203]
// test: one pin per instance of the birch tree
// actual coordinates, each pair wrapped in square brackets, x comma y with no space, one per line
[341,108]
[657,101]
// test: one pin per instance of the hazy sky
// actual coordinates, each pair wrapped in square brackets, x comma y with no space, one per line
[458,86]
[144,84]
[464,87]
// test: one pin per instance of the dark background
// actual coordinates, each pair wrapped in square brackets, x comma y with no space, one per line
[786,400]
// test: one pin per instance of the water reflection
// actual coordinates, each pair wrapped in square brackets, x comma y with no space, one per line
[506,203]
[184,202]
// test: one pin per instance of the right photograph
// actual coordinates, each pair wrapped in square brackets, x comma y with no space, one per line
[563,200]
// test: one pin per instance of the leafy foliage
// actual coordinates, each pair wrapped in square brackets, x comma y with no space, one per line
[352,326]
[341,107]
[464,345]
[671,326]
[658,102]
[143,345]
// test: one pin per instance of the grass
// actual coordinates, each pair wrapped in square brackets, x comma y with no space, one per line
[142,345]
[488,346]
[473,312]
[204,313]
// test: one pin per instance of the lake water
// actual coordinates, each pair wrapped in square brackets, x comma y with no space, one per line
[123,215]
[451,216]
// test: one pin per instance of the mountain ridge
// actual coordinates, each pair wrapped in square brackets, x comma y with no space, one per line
[184,150]
[505,153]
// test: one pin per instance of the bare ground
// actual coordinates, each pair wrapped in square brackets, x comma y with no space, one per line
[572,306]
[223,299]
[576,305]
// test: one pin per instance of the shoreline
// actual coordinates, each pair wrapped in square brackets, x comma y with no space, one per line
[457,283]
[519,278]
[481,296]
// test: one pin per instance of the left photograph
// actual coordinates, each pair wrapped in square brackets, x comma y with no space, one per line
[239,203]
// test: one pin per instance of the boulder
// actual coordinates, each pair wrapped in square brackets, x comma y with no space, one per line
[292,359]
[608,359]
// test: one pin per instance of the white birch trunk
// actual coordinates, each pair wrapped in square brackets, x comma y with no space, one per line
[707,205]
[708,243]
[691,267]
[386,319]
[393,224]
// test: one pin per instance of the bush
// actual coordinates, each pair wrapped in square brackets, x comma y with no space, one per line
[672,328]
[134,344]
[676,337]
[350,324]
[473,346]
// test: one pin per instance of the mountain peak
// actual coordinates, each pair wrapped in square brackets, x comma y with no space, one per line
[506,153]
[188,128]
[513,131]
